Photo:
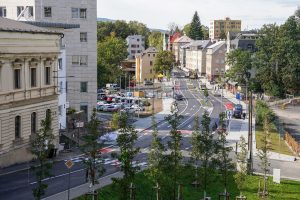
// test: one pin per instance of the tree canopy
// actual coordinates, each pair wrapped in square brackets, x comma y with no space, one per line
[155,39]
[111,51]
[164,62]
[195,31]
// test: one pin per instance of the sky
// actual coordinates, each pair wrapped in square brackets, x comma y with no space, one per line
[160,13]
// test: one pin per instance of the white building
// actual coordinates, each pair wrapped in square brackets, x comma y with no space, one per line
[77,18]
[136,44]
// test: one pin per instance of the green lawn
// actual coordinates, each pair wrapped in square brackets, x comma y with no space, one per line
[287,190]
[277,144]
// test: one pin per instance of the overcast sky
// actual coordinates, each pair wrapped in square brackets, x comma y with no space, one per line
[160,13]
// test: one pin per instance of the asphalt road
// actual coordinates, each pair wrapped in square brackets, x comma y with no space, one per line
[19,185]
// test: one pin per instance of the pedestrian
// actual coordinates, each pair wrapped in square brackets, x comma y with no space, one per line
[244,115]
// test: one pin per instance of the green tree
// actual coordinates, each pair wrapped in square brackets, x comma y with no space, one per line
[40,144]
[187,29]
[155,39]
[111,51]
[263,153]
[240,176]
[138,28]
[195,153]
[115,120]
[240,62]
[155,159]
[205,31]
[126,142]
[164,62]
[222,160]
[90,148]
[206,152]
[223,35]
[175,157]
[195,32]
[173,28]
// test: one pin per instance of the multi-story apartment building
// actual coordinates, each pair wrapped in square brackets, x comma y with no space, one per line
[221,27]
[136,44]
[179,42]
[28,61]
[144,64]
[77,18]
[195,56]
[215,60]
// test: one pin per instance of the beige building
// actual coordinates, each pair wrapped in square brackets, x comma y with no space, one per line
[221,27]
[179,42]
[144,63]
[195,56]
[78,18]
[28,63]
[215,60]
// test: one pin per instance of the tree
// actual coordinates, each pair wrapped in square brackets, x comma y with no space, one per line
[173,28]
[223,35]
[175,156]
[40,144]
[115,120]
[205,92]
[155,39]
[138,28]
[222,159]
[240,176]
[90,148]
[155,159]
[241,63]
[126,141]
[111,51]
[187,29]
[195,153]
[263,153]
[164,62]
[205,31]
[206,151]
[195,32]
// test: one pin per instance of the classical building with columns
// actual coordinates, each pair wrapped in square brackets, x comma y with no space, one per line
[28,88]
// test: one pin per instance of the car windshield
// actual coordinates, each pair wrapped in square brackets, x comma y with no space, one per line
[238,107]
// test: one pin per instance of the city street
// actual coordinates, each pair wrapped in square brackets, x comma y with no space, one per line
[18,185]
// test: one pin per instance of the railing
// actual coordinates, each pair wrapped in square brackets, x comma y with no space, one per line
[292,142]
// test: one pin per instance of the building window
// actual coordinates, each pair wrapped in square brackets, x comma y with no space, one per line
[60,110]
[33,122]
[153,55]
[47,12]
[150,71]
[66,87]
[132,51]
[151,63]
[17,78]
[33,77]
[138,40]
[79,60]
[2,11]
[17,127]
[83,86]
[60,67]
[19,10]
[84,108]
[83,37]
[60,87]
[79,13]
[47,75]
[30,11]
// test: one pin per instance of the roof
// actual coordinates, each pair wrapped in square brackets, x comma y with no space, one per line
[174,36]
[216,45]
[201,44]
[10,25]
[150,50]
[52,24]
[183,39]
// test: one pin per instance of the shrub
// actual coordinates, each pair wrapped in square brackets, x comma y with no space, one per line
[262,110]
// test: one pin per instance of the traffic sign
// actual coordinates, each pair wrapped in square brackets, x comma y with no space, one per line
[69,164]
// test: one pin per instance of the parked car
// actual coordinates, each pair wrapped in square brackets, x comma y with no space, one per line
[238,111]
[129,110]
[148,83]
[137,107]
[178,97]
[216,94]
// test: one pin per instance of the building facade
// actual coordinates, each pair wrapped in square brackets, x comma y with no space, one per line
[215,60]
[78,19]
[221,27]
[136,44]
[144,64]
[196,56]
[179,42]
[28,63]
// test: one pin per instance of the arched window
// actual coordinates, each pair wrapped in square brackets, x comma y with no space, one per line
[17,127]
[33,122]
